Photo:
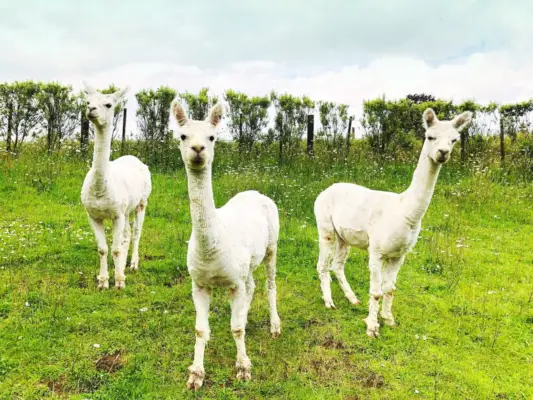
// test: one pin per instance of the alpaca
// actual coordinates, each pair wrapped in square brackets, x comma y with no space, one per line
[383,223]
[226,244]
[112,190]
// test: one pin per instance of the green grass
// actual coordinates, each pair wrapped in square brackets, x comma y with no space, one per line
[464,301]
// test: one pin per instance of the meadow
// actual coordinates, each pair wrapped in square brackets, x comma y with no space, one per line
[464,303]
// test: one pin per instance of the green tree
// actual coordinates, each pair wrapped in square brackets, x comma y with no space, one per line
[290,121]
[153,114]
[248,117]
[61,110]
[198,105]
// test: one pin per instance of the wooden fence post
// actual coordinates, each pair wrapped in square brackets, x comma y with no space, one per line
[310,134]
[348,134]
[502,145]
[124,115]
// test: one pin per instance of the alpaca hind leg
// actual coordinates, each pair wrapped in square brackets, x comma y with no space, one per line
[270,264]
[138,221]
[326,253]
[238,329]
[339,261]
[118,258]
[375,266]
[201,299]
[390,272]
[99,233]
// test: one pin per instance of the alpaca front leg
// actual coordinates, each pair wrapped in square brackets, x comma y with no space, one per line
[238,328]
[390,272]
[372,325]
[200,298]
[99,233]
[138,221]
[325,257]
[118,258]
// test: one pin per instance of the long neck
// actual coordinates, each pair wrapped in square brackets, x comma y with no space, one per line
[416,198]
[203,212]
[102,151]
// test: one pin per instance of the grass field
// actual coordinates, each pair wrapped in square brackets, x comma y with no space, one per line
[464,301]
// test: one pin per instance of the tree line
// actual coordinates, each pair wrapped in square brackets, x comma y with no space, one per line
[54,113]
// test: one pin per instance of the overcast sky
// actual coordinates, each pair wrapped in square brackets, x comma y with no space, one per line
[339,50]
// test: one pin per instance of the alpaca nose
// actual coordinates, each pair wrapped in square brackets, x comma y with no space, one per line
[198,149]
[91,108]
[444,152]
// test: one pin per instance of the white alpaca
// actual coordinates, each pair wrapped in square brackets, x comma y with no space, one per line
[226,244]
[383,223]
[112,190]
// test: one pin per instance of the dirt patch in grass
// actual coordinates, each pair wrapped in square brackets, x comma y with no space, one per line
[112,362]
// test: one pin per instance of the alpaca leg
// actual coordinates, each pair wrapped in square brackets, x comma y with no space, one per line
[200,298]
[118,258]
[238,323]
[372,325]
[126,239]
[250,289]
[138,221]
[339,260]
[99,233]
[390,272]
[270,263]
[325,258]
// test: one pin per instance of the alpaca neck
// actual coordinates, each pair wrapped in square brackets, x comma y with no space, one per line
[203,211]
[102,151]
[417,197]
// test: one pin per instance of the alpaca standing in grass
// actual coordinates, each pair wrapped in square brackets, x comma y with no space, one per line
[383,223]
[226,244]
[113,190]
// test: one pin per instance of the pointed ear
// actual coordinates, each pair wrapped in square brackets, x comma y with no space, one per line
[429,118]
[215,114]
[119,94]
[462,120]
[176,109]
[88,88]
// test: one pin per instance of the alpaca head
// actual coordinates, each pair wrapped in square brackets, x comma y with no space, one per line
[197,138]
[100,107]
[441,136]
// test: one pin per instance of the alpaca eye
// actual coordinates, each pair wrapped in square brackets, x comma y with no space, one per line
[211,138]
[108,105]
[183,137]
[454,140]
[430,138]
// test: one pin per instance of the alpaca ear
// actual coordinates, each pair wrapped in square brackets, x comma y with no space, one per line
[119,94]
[461,121]
[176,109]
[215,114]
[429,118]
[88,88]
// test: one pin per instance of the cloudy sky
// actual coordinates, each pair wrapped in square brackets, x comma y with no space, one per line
[339,50]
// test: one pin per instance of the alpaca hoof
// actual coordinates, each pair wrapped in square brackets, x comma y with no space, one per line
[244,370]
[329,305]
[372,328]
[390,322]
[196,378]
[354,300]
[120,284]
[134,266]
[103,284]
[275,330]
